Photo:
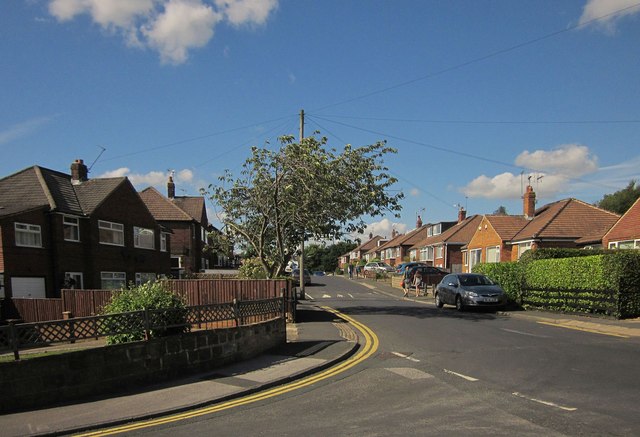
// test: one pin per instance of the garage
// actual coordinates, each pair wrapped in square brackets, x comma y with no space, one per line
[28,287]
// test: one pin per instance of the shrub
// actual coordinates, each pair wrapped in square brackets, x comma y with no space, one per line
[507,274]
[150,296]
[251,268]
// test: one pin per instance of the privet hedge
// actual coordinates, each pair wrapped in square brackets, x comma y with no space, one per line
[597,282]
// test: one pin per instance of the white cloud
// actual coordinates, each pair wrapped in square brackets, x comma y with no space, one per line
[240,12]
[383,228]
[551,173]
[185,24]
[185,175]
[23,129]
[572,160]
[171,27]
[607,8]
[509,186]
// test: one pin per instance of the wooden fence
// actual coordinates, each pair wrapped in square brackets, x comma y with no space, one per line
[85,303]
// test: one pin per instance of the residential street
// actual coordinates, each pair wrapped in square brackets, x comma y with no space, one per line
[439,371]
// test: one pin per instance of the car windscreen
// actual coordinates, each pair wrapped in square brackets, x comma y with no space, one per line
[474,280]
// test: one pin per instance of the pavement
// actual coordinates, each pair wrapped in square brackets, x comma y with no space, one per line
[317,341]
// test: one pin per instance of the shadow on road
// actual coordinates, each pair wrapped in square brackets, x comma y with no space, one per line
[420,312]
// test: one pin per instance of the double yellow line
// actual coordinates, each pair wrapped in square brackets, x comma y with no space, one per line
[370,346]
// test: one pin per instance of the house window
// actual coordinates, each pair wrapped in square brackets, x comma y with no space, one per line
[163,242]
[143,278]
[475,257]
[465,258]
[113,280]
[71,228]
[28,235]
[111,233]
[439,251]
[73,280]
[523,247]
[493,254]
[629,244]
[143,238]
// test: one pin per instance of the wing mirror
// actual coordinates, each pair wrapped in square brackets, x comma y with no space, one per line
[451,284]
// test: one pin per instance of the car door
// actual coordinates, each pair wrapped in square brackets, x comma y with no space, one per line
[450,282]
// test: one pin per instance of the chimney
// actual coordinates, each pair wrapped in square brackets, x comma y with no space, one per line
[462,214]
[393,233]
[529,207]
[370,235]
[419,222]
[171,188]
[79,172]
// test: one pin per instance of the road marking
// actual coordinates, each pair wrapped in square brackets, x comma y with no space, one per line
[524,333]
[410,358]
[579,328]
[468,378]
[410,372]
[550,404]
[369,348]
[368,285]
[340,296]
[351,296]
[309,296]
[326,296]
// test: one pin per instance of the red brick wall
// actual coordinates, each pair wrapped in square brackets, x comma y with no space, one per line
[485,237]
[627,228]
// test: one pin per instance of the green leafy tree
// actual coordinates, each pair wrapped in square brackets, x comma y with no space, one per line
[150,296]
[620,201]
[502,210]
[302,190]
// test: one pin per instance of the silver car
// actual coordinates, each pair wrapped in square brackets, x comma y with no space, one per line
[469,290]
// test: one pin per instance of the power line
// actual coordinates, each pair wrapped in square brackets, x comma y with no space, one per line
[478,59]
[408,120]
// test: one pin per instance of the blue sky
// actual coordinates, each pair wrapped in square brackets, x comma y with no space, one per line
[475,95]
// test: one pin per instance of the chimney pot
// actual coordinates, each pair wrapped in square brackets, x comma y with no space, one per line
[79,172]
[529,203]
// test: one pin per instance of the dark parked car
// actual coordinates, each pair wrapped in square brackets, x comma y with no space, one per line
[469,290]
[295,276]
[430,275]
[400,267]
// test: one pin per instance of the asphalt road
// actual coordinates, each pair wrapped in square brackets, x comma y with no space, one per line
[443,372]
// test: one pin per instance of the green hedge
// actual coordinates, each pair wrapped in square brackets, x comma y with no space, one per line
[507,274]
[575,280]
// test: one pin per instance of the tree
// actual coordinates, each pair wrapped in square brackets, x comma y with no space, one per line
[302,190]
[620,201]
[502,210]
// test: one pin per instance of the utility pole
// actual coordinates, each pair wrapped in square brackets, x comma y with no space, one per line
[301,262]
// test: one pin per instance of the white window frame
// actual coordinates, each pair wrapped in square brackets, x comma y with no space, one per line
[144,238]
[465,257]
[78,278]
[438,252]
[144,277]
[163,242]
[523,247]
[635,244]
[495,252]
[72,223]
[27,232]
[473,254]
[119,277]
[112,229]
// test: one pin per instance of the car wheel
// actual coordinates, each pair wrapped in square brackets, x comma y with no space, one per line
[439,303]
[459,304]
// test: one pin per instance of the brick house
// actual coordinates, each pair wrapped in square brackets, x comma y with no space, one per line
[395,250]
[625,233]
[361,251]
[444,250]
[568,223]
[186,217]
[59,230]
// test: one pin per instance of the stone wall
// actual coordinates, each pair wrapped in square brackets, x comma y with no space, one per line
[72,376]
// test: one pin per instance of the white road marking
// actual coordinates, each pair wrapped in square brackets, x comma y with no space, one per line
[308,296]
[339,295]
[468,378]
[326,296]
[410,372]
[550,404]
[523,333]
[398,354]
[351,296]
[368,286]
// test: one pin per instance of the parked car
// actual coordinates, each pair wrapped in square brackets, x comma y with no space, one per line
[469,290]
[430,275]
[295,277]
[378,266]
[400,267]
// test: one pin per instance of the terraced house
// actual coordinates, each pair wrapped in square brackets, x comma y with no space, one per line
[68,231]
